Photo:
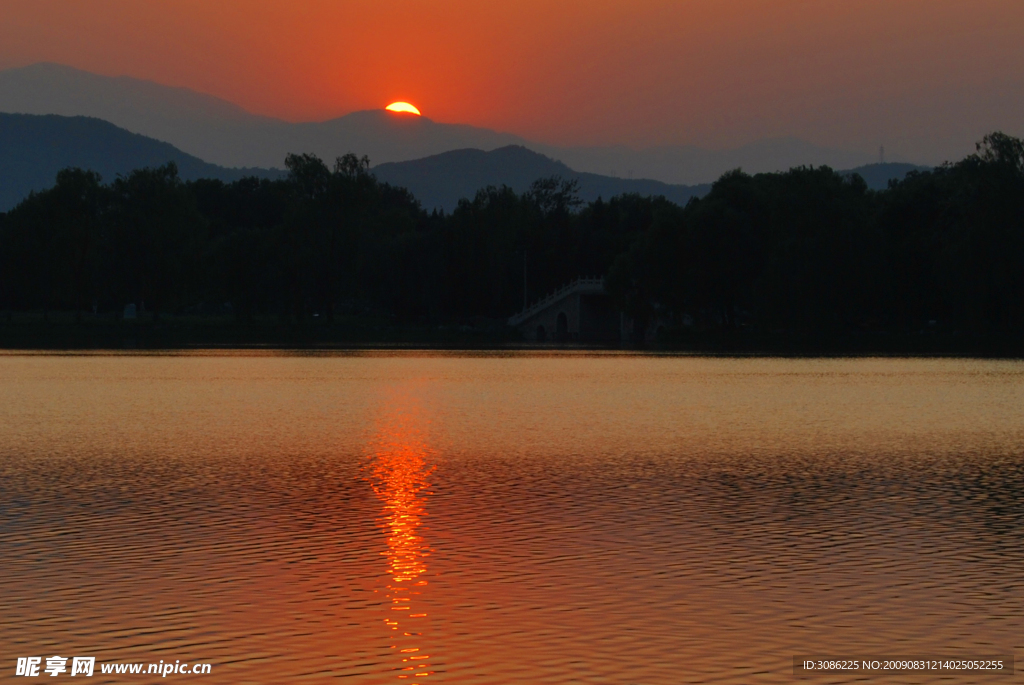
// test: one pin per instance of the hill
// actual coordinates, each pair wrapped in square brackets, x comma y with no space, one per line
[691,164]
[440,181]
[225,134]
[877,176]
[221,132]
[34,148]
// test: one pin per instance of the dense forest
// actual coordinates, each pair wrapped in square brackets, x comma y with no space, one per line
[804,250]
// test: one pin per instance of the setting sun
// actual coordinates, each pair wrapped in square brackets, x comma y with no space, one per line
[402,107]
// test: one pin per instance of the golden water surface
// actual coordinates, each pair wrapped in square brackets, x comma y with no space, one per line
[507,518]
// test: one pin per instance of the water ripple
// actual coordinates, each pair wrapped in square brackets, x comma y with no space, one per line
[422,519]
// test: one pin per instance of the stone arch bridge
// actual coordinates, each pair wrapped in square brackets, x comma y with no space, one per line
[580,311]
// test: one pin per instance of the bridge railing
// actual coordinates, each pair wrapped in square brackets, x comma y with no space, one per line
[586,284]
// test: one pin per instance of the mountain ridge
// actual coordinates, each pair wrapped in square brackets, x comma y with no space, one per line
[223,133]
[440,181]
[33,148]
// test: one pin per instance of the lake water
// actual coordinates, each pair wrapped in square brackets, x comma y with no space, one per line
[507,518]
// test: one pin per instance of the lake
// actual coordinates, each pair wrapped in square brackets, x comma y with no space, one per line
[498,518]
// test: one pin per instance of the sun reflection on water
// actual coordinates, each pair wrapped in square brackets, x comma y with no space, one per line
[398,470]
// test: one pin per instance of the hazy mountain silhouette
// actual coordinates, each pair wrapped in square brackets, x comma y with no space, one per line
[225,134]
[689,164]
[440,181]
[877,176]
[34,148]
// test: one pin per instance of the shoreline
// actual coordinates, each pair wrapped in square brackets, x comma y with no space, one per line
[176,335]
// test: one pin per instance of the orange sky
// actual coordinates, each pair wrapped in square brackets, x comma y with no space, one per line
[856,73]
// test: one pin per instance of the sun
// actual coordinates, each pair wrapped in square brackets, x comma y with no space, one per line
[402,107]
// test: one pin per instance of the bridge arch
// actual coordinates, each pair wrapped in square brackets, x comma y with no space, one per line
[562,327]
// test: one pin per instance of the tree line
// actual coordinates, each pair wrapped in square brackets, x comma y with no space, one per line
[809,249]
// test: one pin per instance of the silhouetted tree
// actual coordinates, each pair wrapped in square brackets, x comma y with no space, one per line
[808,249]
[154,238]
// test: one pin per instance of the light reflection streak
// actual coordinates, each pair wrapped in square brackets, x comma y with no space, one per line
[398,471]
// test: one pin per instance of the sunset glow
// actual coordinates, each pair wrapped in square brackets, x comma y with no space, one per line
[923,78]
[403,107]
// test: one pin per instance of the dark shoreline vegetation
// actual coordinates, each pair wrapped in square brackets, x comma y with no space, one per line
[806,261]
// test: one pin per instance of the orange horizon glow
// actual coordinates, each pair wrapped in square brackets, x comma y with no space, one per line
[924,73]
[403,107]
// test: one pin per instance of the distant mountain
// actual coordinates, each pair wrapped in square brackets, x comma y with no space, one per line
[877,176]
[223,133]
[689,164]
[440,181]
[34,148]
[219,131]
